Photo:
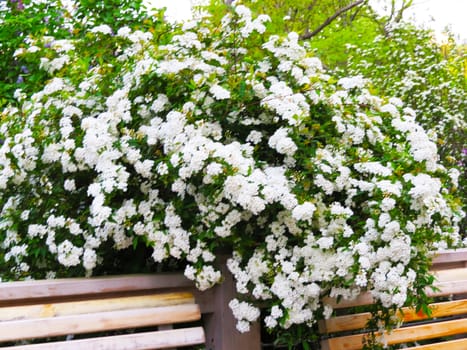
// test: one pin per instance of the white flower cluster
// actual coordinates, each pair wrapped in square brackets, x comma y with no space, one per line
[244,313]
[248,24]
[316,187]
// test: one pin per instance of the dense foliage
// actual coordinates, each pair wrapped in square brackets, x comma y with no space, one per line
[204,139]
[19,22]
[23,21]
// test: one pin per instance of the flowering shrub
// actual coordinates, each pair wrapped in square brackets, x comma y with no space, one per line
[430,77]
[202,139]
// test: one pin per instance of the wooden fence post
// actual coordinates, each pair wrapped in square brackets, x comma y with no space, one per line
[221,333]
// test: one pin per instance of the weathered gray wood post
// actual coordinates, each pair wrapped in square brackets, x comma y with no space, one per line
[219,325]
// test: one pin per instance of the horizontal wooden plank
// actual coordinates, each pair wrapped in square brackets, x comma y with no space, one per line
[403,335]
[448,288]
[93,306]
[451,275]
[438,310]
[101,321]
[137,341]
[39,289]
[344,323]
[458,344]
[359,321]
[450,256]
[427,331]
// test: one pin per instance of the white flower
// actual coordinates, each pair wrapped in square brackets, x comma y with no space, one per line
[68,254]
[254,137]
[243,326]
[154,160]
[54,85]
[219,92]
[124,32]
[326,185]
[16,252]
[243,11]
[454,175]
[388,204]
[391,109]
[270,322]
[282,143]
[422,148]
[338,210]
[75,229]
[32,49]
[63,45]
[19,52]
[387,186]
[244,313]
[144,168]
[55,64]
[159,103]
[207,277]
[396,102]
[304,212]
[352,82]
[289,105]
[391,229]
[69,185]
[375,168]
[103,28]
[325,242]
[162,169]
[25,215]
[56,221]
[423,185]
[214,169]
[190,272]
[89,259]
[286,146]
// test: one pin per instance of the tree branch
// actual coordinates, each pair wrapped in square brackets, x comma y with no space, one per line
[405,6]
[329,20]
[393,10]
[352,18]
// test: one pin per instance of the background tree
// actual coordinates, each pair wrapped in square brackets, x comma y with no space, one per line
[307,18]
[336,22]
[22,21]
